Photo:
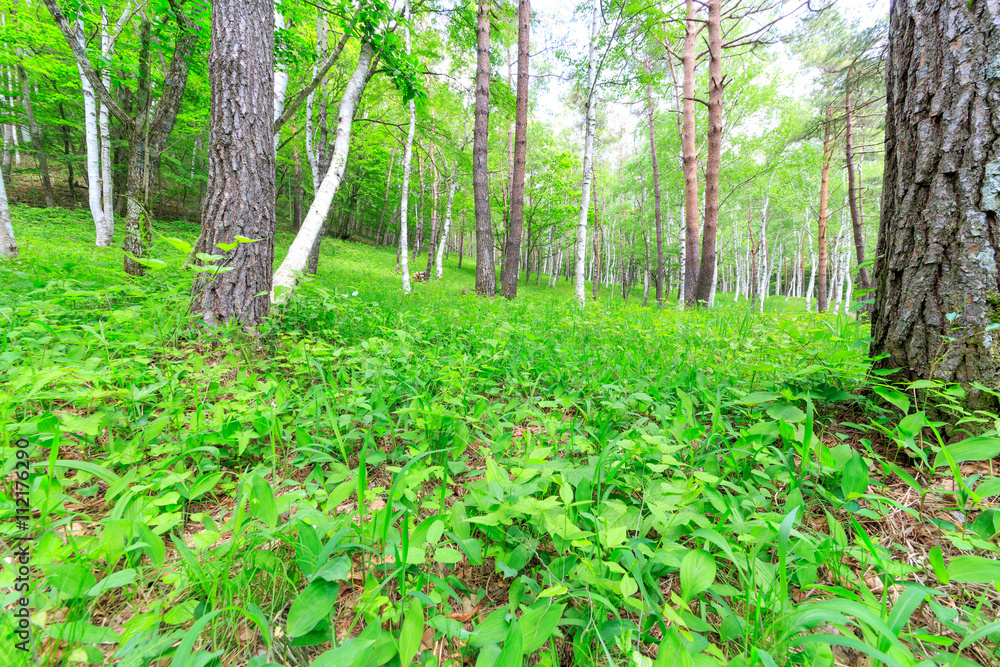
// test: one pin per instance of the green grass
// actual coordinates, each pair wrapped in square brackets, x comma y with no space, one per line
[440,478]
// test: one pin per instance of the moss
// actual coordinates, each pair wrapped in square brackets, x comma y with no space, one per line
[993,300]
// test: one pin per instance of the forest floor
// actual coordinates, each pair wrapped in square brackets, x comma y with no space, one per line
[445,480]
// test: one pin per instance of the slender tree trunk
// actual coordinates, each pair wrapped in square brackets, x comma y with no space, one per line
[461,242]
[296,188]
[418,232]
[447,224]
[404,204]
[824,196]
[657,212]
[240,193]
[36,136]
[280,82]
[8,244]
[93,144]
[588,156]
[432,242]
[690,158]
[105,235]
[706,278]
[385,203]
[68,152]
[485,266]
[298,253]
[595,283]
[510,270]
[852,193]
[939,232]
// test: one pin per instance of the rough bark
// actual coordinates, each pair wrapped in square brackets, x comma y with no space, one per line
[510,270]
[690,158]
[485,267]
[713,158]
[824,197]
[240,192]
[940,225]
[93,144]
[36,136]
[852,193]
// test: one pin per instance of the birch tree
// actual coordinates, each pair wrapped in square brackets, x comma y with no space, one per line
[588,157]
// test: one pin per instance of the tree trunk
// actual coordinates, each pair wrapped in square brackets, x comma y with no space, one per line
[296,189]
[939,232]
[432,242]
[824,196]
[240,193]
[8,244]
[852,194]
[706,278]
[588,157]
[690,158]
[105,236]
[36,136]
[447,224]
[510,270]
[67,151]
[385,203]
[657,212]
[595,283]
[485,266]
[93,144]
[298,253]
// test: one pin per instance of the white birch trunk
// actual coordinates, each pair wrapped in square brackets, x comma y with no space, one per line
[588,157]
[8,244]
[311,152]
[404,204]
[280,80]
[93,142]
[764,275]
[715,279]
[297,258]
[103,126]
[447,220]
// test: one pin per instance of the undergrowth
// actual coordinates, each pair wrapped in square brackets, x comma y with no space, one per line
[445,480]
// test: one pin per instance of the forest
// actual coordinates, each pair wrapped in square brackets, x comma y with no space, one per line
[633,333]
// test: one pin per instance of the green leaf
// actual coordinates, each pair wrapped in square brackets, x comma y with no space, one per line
[226,246]
[262,505]
[243,239]
[205,257]
[979,448]
[937,563]
[512,653]
[894,396]
[697,573]
[352,652]
[338,569]
[312,605]
[115,580]
[672,652]
[183,246]
[855,480]
[449,627]
[411,633]
[182,656]
[204,484]
[789,413]
[974,570]
[538,624]
[447,556]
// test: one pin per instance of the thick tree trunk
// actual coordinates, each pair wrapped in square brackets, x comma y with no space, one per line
[36,136]
[657,211]
[690,158]
[706,278]
[510,270]
[852,194]
[939,232]
[485,266]
[298,253]
[824,197]
[240,193]
[8,244]
[588,157]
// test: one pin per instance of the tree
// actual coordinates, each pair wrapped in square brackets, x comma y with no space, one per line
[239,198]
[657,206]
[937,279]
[706,278]
[690,155]
[486,278]
[590,123]
[8,244]
[510,270]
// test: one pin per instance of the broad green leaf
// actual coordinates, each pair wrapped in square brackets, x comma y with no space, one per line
[697,573]
[411,633]
[672,652]
[512,653]
[789,413]
[182,656]
[937,563]
[348,654]
[115,580]
[537,625]
[855,480]
[312,605]
[183,246]
[262,505]
[974,570]
[894,396]
[979,448]
[447,556]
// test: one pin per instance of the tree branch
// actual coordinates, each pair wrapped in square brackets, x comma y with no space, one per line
[292,107]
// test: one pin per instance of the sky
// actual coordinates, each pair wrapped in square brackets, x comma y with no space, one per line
[556,27]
